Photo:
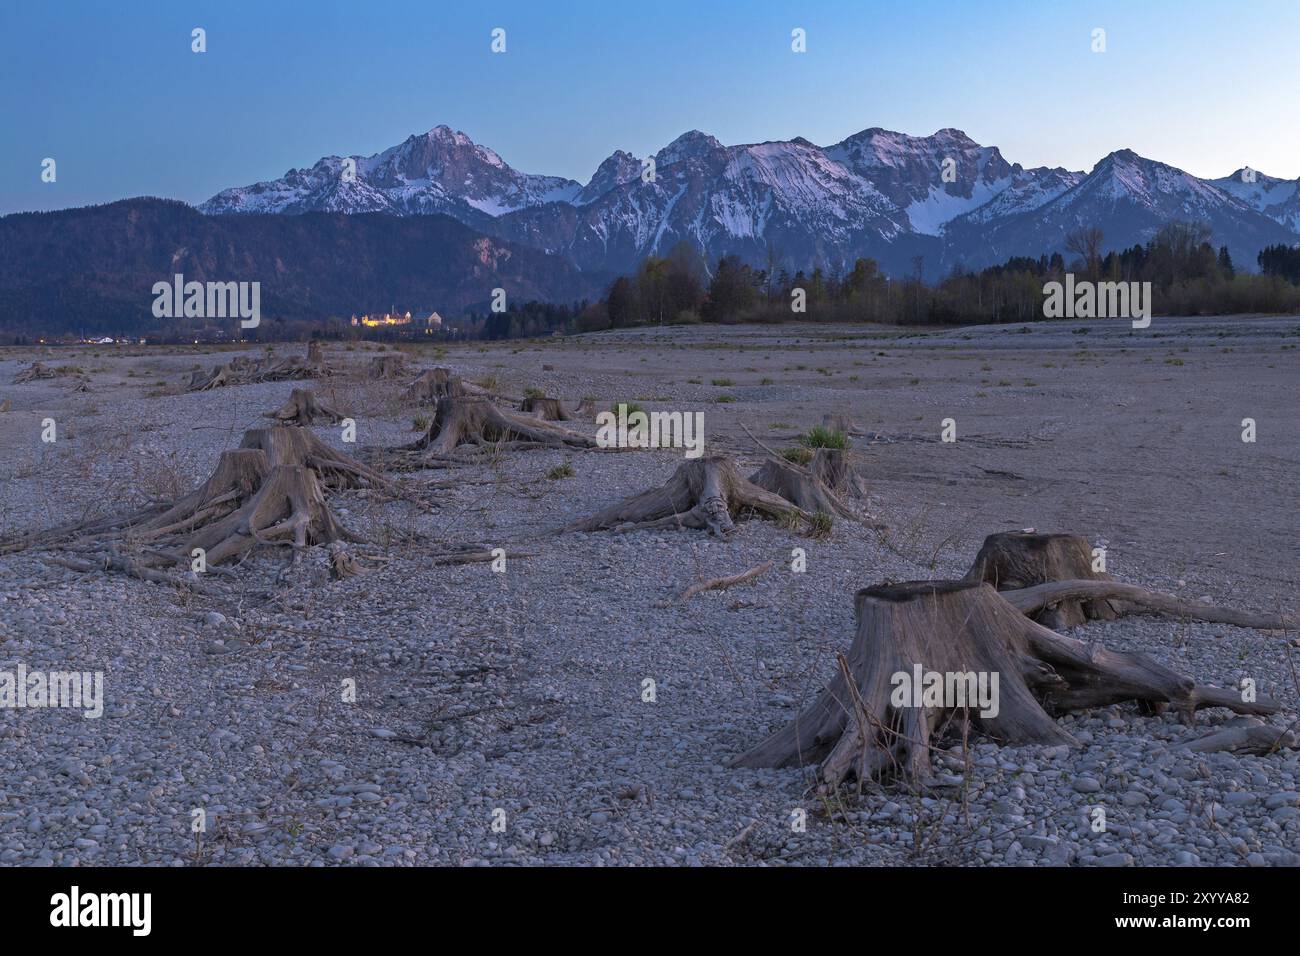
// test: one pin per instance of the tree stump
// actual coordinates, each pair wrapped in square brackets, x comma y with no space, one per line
[303,408]
[839,423]
[387,366]
[291,368]
[800,486]
[238,475]
[707,493]
[880,715]
[433,384]
[834,467]
[269,491]
[288,509]
[1011,560]
[547,409]
[287,445]
[219,377]
[243,370]
[469,420]
[33,372]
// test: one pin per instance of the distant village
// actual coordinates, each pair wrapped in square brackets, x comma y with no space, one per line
[530,320]
[433,321]
[390,324]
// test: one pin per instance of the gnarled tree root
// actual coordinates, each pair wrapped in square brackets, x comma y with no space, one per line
[864,725]
[1031,600]
[303,408]
[288,509]
[237,476]
[704,492]
[467,420]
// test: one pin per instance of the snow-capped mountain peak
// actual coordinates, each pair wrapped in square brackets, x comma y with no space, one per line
[690,145]
[1279,199]
[619,168]
[442,170]
[879,193]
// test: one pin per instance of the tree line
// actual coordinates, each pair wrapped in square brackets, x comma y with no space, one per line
[1189,276]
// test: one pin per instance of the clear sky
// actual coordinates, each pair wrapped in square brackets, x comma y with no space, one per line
[112,91]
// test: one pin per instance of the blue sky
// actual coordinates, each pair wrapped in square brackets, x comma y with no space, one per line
[113,92]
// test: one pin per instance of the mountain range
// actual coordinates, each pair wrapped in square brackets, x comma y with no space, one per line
[886,195]
[438,222]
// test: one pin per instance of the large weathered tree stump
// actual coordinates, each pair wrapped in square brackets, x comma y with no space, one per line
[303,408]
[1010,560]
[287,445]
[270,492]
[293,368]
[922,668]
[707,493]
[238,475]
[288,509]
[469,420]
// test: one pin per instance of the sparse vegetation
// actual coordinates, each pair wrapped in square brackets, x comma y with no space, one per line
[820,436]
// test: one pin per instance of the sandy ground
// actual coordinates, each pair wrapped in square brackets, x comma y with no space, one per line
[522,692]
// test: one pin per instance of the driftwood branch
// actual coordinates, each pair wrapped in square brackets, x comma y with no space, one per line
[719,584]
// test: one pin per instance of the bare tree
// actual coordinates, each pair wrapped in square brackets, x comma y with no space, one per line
[1086,242]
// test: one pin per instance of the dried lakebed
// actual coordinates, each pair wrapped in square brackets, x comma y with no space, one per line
[519,696]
